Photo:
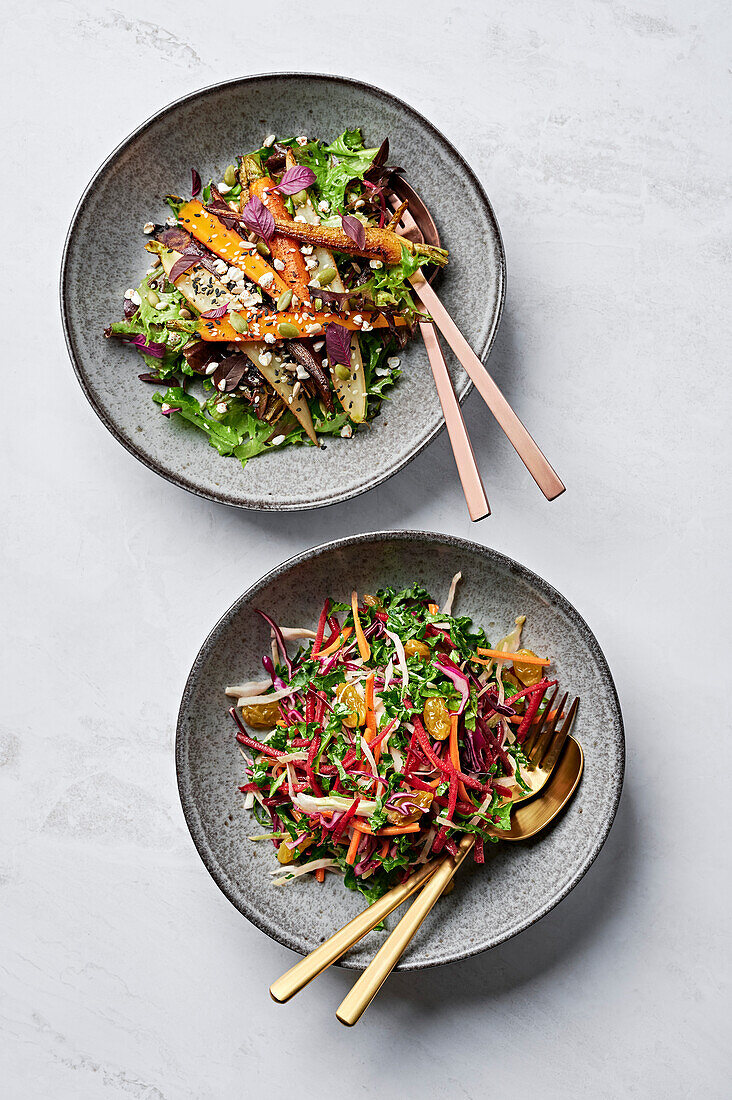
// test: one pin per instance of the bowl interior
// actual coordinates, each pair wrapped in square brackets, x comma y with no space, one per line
[105,256]
[520,882]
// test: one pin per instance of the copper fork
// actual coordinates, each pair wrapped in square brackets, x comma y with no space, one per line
[518,435]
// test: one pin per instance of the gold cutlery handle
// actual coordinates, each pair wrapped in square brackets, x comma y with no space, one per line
[526,448]
[370,982]
[313,964]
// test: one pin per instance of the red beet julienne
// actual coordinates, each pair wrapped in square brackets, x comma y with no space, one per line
[393,740]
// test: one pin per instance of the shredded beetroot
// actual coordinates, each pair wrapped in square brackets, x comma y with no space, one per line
[479,851]
[244,738]
[531,710]
[343,823]
[320,629]
[312,753]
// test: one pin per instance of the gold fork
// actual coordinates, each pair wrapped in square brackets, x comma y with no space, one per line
[545,745]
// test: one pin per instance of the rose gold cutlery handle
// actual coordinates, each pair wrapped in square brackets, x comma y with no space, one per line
[368,985]
[535,462]
[470,479]
[317,961]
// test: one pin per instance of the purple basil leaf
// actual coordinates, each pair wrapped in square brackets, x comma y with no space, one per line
[217,313]
[354,229]
[230,371]
[195,183]
[149,348]
[338,344]
[150,377]
[297,178]
[182,264]
[256,215]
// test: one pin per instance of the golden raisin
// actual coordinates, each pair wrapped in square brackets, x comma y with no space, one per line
[288,855]
[350,696]
[371,601]
[261,717]
[437,718]
[528,674]
[422,799]
[415,648]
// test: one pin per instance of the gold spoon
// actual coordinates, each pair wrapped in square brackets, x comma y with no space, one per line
[528,819]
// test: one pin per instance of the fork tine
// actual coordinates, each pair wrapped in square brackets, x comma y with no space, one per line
[541,744]
[552,752]
[537,726]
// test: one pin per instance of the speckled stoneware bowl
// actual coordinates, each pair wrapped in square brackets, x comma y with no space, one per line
[104,255]
[520,882]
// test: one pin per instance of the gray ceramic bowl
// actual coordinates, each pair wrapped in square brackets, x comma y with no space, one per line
[104,255]
[520,882]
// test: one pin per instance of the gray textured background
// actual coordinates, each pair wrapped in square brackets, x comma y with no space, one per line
[599,131]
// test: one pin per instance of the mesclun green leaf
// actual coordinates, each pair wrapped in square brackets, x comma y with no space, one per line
[335,165]
[223,438]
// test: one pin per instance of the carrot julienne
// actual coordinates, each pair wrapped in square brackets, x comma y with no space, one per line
[522,659]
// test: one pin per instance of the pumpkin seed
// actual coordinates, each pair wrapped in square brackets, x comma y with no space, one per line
[230,175]
[287,330]
[343,372]
[326,276]
[238,323]
[152,297]
[300,198]
[284,299]
[262,249]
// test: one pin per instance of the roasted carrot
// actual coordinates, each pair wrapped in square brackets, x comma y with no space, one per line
[286,325]
[380,244]
[229,246]
[384,848]
[363,646]
[284,249]
[522,658]
[320,874]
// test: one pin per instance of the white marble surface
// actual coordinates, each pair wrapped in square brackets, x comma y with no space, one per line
[598,130]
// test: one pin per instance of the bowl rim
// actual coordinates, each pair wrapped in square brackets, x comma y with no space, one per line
[174,476]
[497,557]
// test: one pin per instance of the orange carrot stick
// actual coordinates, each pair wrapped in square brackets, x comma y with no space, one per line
[320,874]
[391,830]
[455,757]
[363,646]
[523,659]
[344,635]
[370,716]
[353,847]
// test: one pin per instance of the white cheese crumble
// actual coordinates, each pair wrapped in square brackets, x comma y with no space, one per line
[302,140]
[148,227]
[266,358]
[269,338]
[266,279]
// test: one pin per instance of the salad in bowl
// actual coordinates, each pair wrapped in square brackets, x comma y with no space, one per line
[277,299]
